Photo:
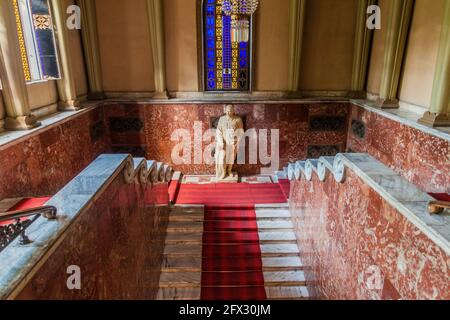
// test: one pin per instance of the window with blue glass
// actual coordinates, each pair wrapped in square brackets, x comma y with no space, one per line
[227,63]
[36,39]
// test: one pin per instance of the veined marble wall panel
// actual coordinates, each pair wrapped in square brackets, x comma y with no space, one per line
[41,164]
[357,246]
[146,129]
[422,159]
[117,242]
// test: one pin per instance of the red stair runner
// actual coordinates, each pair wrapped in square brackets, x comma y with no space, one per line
[232,265]
[241,194]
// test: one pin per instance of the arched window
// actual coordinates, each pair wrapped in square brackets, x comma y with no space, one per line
[226,63]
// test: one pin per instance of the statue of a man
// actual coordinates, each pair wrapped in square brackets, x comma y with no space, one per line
[228,135]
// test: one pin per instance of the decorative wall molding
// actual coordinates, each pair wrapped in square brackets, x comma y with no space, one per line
[156,25]
[14,90]
[399,22]
[439,114]
[296,25]
[363,40]
[66,85]
[89,36]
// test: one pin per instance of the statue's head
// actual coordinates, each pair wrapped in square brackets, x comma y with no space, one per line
[229,110]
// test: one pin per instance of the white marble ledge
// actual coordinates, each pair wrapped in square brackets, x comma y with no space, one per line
[408,199]
[17,261]
[8,138]
[406,117]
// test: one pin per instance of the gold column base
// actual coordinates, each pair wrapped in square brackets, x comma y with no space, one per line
[435,120]
[161,96]
[387,104]
[21,123]
[71,105]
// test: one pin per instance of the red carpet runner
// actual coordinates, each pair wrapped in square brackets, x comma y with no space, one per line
[232,266]
[230,194]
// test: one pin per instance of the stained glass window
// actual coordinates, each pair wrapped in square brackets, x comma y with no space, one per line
[36,39]
[227,63]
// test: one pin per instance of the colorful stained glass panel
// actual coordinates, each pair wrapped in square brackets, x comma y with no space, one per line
[227,63]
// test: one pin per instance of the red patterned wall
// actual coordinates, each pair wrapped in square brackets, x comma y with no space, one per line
[118,244]
[43,163]
[357,246]
[298,125]
[421,158]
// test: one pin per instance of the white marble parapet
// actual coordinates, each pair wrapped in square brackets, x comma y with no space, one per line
[17,261]
[405,197]
[406,117]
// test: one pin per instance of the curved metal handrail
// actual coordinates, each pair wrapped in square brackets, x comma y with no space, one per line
[438,207]
[48,212]
[16,228]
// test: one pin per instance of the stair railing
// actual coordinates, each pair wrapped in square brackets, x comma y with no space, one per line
[11,231]
[438,207]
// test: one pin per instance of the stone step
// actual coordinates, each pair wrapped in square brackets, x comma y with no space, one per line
[185,226]
[279,249]
[264,238]
[184,237]
[275,225]
[194,264]
[287,293]
[272,213]
[200,218]
[272,293]
[193,279]
[179,294]
[284,278]
[267,250]
[268,236]
[180,280]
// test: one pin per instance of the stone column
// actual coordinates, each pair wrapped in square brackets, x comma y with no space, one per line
[296,24]
[399,19]
[66,85]
[156,20]
[439,114]
[363,39]
[89,35]
[15,95]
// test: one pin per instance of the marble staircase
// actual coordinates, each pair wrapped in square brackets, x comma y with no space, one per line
[181,274]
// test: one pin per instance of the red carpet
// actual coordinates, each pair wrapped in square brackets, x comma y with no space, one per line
[242,194]
[285,185]
[441,196]
[232,266]
[174,188]
[24,204]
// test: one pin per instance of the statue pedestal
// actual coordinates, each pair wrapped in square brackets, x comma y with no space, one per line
[230,179]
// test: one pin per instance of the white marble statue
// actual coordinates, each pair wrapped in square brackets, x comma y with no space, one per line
[229,132]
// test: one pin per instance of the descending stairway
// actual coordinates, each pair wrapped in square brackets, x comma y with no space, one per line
[229,256]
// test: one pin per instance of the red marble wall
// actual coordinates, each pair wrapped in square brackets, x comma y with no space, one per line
[422,159]
[118,243]
[348,235]
[43,163]
[152,137]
